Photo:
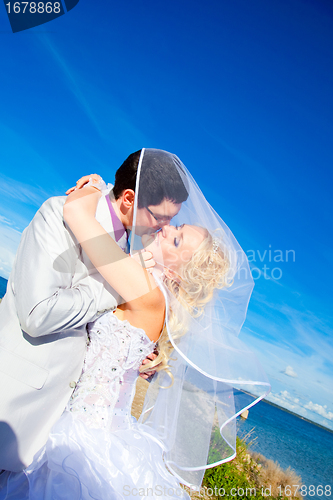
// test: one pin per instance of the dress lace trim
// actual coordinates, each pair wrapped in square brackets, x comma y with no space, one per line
[115,351]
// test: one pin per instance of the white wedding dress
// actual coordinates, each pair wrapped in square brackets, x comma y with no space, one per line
[97,450]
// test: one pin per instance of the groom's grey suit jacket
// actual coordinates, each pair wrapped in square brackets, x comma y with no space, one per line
[53,292]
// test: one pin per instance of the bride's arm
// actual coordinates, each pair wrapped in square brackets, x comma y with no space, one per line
[124,274]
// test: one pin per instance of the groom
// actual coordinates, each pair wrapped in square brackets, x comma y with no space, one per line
[53,292]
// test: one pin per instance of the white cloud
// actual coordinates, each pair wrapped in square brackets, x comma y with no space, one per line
[24,192]
[321,410]
[286,400]
[313,381]
[309,410]
[4,220]
[18,203]
[290,372]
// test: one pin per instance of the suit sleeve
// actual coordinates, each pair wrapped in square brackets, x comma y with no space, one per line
[46,262]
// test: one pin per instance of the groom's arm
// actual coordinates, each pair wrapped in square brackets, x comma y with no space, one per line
[46,261]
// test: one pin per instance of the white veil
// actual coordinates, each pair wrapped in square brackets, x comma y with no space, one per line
[216,376]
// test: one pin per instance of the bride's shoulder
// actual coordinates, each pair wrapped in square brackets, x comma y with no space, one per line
[153,300]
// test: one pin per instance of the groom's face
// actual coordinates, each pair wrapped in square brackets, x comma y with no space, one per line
[154,217]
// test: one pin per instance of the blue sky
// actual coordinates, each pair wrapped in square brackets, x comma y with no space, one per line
[242,92]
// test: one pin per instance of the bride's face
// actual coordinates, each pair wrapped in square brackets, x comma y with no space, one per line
[173,246]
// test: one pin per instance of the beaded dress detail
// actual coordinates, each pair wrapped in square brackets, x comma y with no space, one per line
[104,393]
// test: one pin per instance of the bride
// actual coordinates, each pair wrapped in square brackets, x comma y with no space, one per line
[191,306]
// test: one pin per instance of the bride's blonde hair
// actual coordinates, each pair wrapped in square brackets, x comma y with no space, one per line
[206,271]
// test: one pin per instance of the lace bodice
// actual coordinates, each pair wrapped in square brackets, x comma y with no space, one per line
[104,393]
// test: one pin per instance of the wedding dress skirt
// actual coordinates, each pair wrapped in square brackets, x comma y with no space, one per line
[97,450]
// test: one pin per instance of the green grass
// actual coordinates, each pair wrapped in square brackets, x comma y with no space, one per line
[249,476]
[237,478]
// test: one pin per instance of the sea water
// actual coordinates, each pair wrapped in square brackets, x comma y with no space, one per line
[292,441]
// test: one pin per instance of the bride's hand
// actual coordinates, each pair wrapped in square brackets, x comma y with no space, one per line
[148,375]
[93,178]
[144,258]
[81,203]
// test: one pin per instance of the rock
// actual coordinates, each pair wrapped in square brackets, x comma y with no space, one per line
[245,414]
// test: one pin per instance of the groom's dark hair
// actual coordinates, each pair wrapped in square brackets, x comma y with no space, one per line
[161,180]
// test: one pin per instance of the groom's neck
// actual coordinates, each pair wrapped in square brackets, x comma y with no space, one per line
[124,215]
